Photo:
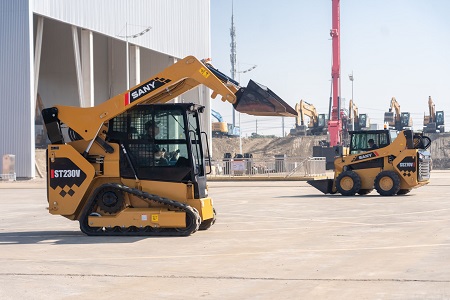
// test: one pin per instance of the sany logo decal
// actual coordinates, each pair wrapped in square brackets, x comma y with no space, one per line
[364,156]
[64,173]
[144,89]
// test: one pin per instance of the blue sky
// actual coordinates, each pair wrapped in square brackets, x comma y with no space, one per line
[395,48]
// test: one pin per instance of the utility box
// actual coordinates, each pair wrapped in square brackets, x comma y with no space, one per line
[248,157]
[226,163]
[280,163]
[9,167]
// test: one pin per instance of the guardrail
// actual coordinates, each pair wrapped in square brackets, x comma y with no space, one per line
[8,177]
[270,167]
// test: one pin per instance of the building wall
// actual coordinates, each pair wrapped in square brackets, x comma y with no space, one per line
[17,85]
[178,28]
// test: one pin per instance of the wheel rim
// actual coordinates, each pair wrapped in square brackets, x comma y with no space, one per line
[347,183]
[386,183]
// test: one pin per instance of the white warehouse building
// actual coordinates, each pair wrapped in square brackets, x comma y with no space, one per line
[74,52]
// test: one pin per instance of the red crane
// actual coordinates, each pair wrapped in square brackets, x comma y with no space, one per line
[335,122]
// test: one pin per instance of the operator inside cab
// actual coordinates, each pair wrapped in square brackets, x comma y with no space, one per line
[372,144]
[153,150]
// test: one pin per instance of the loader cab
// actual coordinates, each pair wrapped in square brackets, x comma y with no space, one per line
[359,140]
[162,142]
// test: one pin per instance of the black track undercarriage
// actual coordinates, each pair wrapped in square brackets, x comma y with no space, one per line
[192,216]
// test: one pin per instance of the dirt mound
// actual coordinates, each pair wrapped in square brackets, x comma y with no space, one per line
[265,147]
[290,146]
[302,147]
[440,150]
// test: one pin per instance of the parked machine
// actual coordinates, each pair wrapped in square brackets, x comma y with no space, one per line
[353,116]
[393,165]
[396,119]
[434,122]
[356,121]
[136,166]
[222,128]
[364,122]
[316,124]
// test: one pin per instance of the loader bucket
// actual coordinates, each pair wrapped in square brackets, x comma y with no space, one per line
[259,100]
[323,185]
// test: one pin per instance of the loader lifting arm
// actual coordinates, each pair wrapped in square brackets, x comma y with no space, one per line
[146,172]
[173,81]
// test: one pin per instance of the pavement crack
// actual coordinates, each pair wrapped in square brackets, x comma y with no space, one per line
[230,277]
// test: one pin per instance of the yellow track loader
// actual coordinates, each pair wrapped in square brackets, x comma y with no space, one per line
[394,164]
[136,165]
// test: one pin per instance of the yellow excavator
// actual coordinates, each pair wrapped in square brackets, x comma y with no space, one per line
[356,121]
[316,124]
[434,121]
[136,165]
[396,119]
[391,163]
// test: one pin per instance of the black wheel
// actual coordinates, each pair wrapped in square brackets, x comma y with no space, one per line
[387,183]
[110,200]
[205,225]
[348,183]
[365,191]
[403,191]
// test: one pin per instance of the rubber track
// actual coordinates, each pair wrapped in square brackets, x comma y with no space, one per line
[192,216]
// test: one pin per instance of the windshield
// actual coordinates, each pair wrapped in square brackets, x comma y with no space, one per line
[370,140]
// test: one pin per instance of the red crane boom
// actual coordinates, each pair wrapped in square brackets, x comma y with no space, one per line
[335,122]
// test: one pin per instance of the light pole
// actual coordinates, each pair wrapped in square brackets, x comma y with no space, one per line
[126,36]
[350,76]
[240,134]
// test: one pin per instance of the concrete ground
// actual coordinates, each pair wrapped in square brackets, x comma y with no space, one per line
[272,240]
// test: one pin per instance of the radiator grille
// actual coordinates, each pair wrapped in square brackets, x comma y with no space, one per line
[424,158]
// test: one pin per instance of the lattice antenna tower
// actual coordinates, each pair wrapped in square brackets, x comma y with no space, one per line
[233,45]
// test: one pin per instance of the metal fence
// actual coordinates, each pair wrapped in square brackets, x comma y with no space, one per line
[8,168]
[278,166]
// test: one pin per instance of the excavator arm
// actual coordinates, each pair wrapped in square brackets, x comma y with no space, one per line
[393,115]
[307,109]
[353,115]
[395,106]
[432,110]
